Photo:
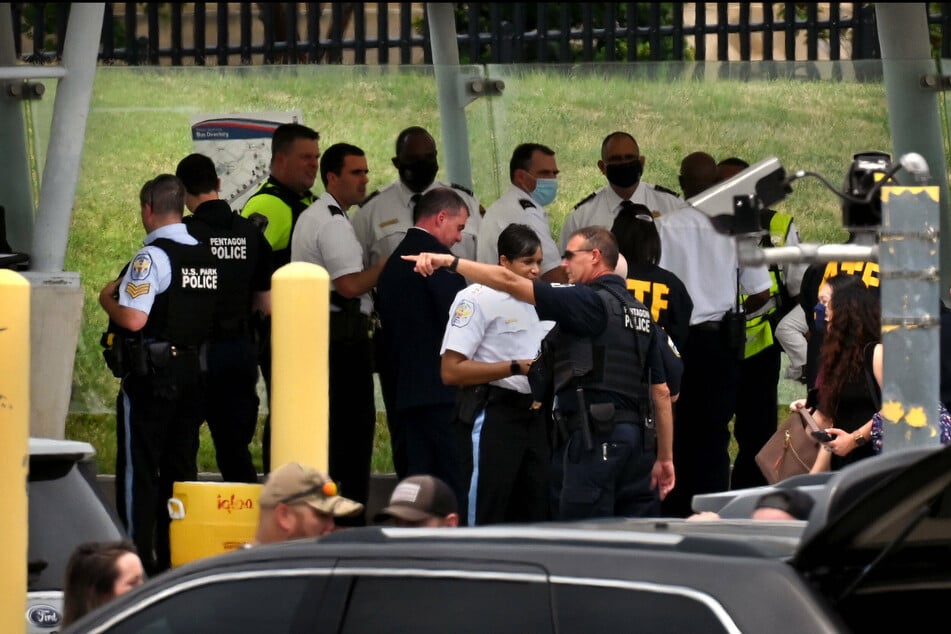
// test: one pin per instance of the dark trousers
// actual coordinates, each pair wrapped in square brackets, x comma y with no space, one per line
[352,420]
[232,406]
[612,479]
[157,422]
[755,420]
[702,419]
[431,444]
[508,446]
[383,365]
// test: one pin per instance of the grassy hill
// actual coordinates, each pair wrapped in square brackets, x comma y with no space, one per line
[812,116]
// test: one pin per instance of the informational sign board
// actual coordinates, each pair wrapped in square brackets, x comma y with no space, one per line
[240,146]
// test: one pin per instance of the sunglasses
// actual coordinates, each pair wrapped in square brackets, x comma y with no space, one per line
[568,255]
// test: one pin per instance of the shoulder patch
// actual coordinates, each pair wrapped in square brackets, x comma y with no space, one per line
[526,204]
[141,267]
[462,189]
[136,290]
[369,198]
[661,188]
[462,313]
[590,196]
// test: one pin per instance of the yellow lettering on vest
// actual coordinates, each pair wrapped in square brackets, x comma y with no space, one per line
[657,291]
[659,303]
[639,288]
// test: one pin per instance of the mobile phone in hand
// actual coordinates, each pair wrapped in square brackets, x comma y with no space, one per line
[823,436]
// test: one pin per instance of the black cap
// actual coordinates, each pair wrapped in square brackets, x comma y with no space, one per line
[198,174]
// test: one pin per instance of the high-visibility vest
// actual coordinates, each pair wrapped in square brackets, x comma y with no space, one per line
[759,327]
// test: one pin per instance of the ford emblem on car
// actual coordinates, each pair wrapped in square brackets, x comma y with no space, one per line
[43,616]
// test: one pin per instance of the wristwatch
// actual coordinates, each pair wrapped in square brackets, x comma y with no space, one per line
[859,439]
[515,367]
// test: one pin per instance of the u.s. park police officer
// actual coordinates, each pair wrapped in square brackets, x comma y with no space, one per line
[612,404]
[244,262]
[160,310]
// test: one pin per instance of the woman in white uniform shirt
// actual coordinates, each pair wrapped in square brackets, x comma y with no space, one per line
[490,341]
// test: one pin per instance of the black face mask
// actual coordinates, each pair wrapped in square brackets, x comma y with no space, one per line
[624,174]
[420,174]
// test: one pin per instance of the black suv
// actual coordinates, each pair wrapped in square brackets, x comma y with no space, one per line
[877,543]
[66,509]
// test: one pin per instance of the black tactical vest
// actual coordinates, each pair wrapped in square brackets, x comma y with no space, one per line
[184,313]
[235,246]
[615,360]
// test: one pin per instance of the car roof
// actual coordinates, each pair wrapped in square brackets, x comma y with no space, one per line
[53,447]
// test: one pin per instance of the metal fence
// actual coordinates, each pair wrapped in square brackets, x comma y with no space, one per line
[232,33]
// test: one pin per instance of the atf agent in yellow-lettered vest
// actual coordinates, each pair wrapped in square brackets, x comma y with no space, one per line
[759,329]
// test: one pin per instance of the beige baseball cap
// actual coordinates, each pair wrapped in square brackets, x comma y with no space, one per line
[293,482]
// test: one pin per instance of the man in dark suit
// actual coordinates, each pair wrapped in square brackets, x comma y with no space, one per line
[414,311]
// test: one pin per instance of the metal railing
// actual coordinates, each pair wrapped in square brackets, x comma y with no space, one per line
[232,33]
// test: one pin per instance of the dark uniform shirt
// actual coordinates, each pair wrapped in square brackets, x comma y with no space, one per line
[244,262]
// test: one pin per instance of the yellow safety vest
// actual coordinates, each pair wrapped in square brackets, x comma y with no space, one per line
[759,331]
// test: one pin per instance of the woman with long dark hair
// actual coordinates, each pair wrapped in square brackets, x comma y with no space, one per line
[845,400]
[96,573]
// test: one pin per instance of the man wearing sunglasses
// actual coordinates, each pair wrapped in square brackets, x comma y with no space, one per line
[613,455]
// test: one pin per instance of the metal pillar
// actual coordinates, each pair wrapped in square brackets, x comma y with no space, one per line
[67,136]
[913,114]
[16,186]
[908,256]
[452,115]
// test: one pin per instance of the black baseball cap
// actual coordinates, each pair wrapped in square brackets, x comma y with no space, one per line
[419,498]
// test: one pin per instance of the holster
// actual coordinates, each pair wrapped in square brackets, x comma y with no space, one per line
[470,400]
[348,323]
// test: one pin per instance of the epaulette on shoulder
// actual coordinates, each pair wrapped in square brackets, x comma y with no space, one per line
[661,188]
[526,204]
[369,198]
[462,189]
[590,196]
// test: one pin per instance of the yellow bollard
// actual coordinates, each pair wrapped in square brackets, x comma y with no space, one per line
[14,446]
[300,322]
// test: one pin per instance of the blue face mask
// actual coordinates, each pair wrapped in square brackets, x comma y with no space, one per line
[819,316]
[545,191]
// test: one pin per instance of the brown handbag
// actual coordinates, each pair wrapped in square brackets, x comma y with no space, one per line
[792,450]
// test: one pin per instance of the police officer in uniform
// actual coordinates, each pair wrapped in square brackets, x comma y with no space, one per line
[244,263]
[490,341]
[623,165]
[383,218]
[615,456]
[534,176]
[381,223]
[757,398]
[275,208]
[324,236]
[162,309]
